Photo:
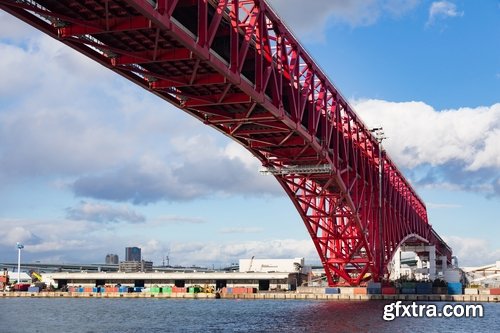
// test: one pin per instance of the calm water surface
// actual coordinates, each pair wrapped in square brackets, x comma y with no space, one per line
[27,315]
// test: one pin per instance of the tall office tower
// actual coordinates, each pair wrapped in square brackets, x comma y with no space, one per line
[132,254]
[112,259]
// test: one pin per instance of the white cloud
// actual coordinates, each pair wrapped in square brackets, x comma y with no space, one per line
[103,213]
[456,148]
[197,167]
[209,253]
[442,205]
[161,220]
[12,28]
[240,230]
[65,240]
[442,9]
[108,139]
[473,251]
[310,18]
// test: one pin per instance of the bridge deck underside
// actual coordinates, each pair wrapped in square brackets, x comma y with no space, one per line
[234,66]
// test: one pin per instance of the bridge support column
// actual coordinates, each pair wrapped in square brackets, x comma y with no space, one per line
[397,264]
[419,271]
[432,262]
[444,264]
[425,267]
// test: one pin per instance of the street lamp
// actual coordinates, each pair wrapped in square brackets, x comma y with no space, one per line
[19,248]
[379,136]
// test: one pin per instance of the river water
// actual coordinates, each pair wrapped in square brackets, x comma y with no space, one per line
[33,315]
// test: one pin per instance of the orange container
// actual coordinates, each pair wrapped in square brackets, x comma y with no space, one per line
[87,289]
[178,290]
[360,291]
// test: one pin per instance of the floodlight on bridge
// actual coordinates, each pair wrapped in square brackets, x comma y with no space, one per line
[298,169]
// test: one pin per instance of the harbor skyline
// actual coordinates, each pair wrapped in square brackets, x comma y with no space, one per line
[91,163]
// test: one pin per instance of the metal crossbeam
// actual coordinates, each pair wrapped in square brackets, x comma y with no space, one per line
[298,170]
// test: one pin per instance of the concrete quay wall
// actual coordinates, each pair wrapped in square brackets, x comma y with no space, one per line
[260,296]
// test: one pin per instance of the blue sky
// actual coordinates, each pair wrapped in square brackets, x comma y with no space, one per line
[91,164]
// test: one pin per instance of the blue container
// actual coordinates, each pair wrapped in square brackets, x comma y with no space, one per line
[229,290]
[373,291]
[407,290]
[374,285]
[80,290]
[34,289]
[123,289]
[138,289]
[424,288]
[332,290]
[454,288]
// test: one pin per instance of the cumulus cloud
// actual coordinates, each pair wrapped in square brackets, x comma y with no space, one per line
[107,139]
[57,240]
[161,220]
[240,230]
[201,168]
[209,253]
[311,18]
[454,148]
[442,9]
[473,251]
[103,213]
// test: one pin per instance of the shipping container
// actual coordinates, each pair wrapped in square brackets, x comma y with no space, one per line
[440,290]
[332,290]
[495,291]
[484,291]
[424,288]
[360,291]
[389,290]
[347,290]
[373,291]
[376,285]
[408,291]
[471,291]
[454,288]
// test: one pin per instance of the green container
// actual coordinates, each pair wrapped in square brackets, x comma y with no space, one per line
[408,285]
[167,290]
[194,290]
[155,290]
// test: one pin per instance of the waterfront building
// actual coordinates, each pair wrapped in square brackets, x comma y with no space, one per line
[295,265]
[133,254]
[136,266]
[277,281]
[112,259]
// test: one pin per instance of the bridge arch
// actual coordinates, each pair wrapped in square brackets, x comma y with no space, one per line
[236,67]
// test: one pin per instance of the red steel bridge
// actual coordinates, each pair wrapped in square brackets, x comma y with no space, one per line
[235,66]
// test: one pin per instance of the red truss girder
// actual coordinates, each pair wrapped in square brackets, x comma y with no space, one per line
[236,67]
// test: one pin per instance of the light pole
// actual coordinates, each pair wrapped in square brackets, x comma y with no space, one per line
[379,136]
[19,248]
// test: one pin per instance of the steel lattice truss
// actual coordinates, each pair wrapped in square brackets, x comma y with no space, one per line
[236,67]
